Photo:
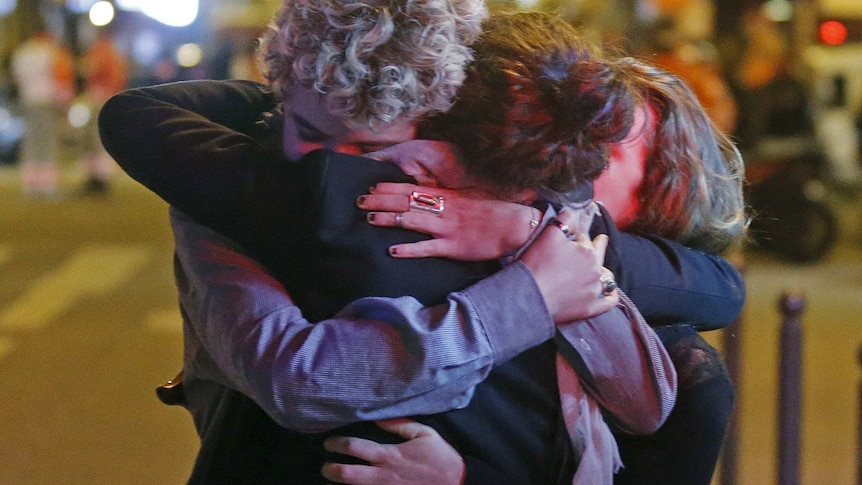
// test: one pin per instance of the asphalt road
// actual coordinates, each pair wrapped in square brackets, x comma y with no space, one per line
[88,329]
[89,326]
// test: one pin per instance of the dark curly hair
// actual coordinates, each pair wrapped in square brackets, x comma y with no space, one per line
[538,108]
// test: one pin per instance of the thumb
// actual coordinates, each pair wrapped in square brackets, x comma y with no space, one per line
[600,243]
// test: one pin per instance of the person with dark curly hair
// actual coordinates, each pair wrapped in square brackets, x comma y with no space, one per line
[674,175]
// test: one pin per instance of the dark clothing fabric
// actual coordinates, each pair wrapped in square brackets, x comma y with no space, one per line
[250,448]
[336,257]
[685,450]
[237,183]
[211,150]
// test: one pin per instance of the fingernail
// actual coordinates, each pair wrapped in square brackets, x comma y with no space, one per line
[371,189]
[360,200]
[393,251]
[370,217]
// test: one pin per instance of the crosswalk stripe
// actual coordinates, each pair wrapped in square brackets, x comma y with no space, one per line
[91,270]
[5,347]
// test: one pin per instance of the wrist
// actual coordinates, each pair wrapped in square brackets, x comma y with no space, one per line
[523,231]
[528,221]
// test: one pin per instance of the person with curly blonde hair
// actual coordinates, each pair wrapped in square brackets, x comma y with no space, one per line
[374,62]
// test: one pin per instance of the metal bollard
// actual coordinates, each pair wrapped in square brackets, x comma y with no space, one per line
[731,348]
[791,305]
[732,353]
[859,427]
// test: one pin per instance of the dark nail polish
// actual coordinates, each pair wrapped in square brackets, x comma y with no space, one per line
[360,200]
[370,217]
[393,251]
[371,189]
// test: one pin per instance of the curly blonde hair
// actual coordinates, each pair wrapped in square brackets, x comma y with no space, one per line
[374,61]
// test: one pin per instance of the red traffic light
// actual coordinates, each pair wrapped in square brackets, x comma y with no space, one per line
[833,32]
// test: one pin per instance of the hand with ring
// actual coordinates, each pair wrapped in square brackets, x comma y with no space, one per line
[568,268]
[464,225]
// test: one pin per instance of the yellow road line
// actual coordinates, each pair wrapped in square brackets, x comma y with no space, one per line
[91,270]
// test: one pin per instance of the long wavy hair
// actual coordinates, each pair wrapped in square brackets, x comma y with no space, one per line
[538,109]
[693,186]
[374,61]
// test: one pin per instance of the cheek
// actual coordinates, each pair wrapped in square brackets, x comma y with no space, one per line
[620,200]
[617,188]
[294,147]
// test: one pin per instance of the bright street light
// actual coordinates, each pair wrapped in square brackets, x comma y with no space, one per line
[7,6]
[176,13]
[101,13]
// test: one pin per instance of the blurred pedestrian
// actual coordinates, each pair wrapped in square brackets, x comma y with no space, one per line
[105,73]
[44,72]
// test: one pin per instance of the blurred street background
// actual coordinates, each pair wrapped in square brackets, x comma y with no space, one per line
[88,317]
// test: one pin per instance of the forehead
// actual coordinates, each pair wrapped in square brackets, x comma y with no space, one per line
[308,108]
[308,105]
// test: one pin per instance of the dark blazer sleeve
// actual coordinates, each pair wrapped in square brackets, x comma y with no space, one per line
[671,283]
[174,139]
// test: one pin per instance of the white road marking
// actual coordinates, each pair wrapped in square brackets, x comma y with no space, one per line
[5,347]
[5,253]
[167,319]
[91,270]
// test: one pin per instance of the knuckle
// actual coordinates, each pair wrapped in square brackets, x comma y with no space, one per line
[334,471]
[353,447]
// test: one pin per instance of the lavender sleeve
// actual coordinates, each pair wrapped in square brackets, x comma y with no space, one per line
[377,358]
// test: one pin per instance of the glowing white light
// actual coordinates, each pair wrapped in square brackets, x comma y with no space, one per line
[79,115]
[189,55]
[128,5]
[778,10]
[101,13]
[176,13]
[7,6]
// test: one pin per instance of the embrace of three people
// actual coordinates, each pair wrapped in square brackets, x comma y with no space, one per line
[461,274]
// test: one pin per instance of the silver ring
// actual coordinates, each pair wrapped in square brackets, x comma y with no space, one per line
[563,227]
[425,202]
[608,286]
[399,219]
